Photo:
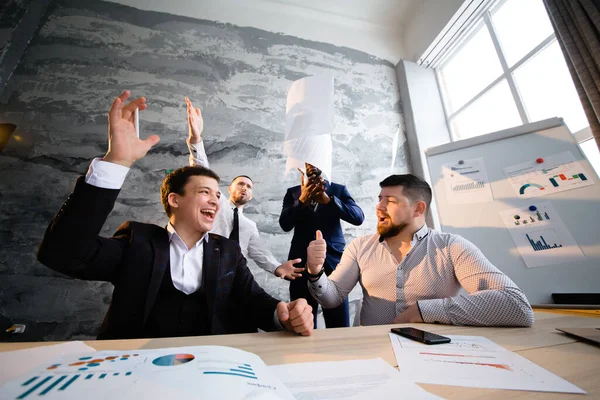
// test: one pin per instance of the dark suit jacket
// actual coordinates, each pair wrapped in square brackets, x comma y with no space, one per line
[134,261]
[305,221]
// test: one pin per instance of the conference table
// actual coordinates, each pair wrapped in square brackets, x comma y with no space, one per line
[575,361]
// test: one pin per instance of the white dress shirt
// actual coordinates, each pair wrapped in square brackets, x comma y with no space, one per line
[250,242]
[186,264]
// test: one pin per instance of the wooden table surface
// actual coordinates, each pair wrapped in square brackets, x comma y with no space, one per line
[577,362]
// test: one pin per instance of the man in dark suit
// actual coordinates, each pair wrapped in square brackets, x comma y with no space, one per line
[317,203]
[178,281]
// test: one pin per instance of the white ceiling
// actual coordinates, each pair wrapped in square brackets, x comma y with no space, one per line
[388,14]
[377,27]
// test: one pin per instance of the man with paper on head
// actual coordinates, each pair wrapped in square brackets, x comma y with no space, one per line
[315,204]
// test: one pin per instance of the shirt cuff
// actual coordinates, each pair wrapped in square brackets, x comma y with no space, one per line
[106,175]
[198,154]
[319,286]
[433,311]
[273,267]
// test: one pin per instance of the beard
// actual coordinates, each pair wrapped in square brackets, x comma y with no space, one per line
[391,230]
[240,200]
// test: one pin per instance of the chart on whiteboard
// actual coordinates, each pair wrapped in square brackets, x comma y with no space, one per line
[467,182]
[541,236]
[547,175]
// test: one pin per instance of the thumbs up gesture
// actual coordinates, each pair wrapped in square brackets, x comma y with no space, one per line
[316,252]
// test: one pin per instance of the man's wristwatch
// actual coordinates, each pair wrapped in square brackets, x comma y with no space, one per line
[317,276]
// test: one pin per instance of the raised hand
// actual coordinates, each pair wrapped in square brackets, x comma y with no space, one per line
[296,316]
[288,271]
[316,252]
[124,147]
[320,196]
[308,188]
[195,122]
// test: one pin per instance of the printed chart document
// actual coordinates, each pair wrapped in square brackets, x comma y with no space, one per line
[467,182]
[309,123]
[473,361]
[353,379]
[540,235]
[16,363]
[556,173]
[207,372]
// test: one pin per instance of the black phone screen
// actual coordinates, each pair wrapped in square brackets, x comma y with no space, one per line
[421,336]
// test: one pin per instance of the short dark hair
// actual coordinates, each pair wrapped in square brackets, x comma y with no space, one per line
[414,187]
[176,181]
[241,176]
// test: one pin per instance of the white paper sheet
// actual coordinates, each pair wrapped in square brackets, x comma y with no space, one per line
[540,235]
[183,373]
[352,379]
[557,173]
[467,182]
[14,364]
[473,361]
[309,123]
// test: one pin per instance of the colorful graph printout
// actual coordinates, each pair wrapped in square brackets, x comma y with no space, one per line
[216,372]
[473,361]
[556,173]
[173,359]
[540,236]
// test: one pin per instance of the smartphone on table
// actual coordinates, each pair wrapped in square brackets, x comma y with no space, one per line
[421,336]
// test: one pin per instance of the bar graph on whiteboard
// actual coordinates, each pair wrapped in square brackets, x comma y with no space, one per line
[467,181]
[541,236]
[468,186]
[544,240]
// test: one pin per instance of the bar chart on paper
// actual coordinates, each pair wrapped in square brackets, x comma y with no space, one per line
[75,376]
[57,384]
[544,240]
[467,182]
[555,173]
[540,235]
[212,372]
[241,371]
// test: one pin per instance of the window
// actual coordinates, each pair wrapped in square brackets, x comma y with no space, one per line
[590,149]
[508,70]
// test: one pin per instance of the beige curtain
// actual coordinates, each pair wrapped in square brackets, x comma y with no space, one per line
[577,27]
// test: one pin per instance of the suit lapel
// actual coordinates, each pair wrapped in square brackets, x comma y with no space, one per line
[160,243]
[210,264]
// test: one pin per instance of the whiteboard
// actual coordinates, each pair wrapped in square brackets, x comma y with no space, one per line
[481,223]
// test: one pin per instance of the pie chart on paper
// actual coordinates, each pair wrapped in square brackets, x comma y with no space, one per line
[172,360]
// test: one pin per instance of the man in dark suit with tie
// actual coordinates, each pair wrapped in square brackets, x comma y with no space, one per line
[173,281]
[317,203]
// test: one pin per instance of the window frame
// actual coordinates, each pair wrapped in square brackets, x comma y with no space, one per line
[485,20]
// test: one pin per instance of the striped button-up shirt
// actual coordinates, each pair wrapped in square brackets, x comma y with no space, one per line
[430,275]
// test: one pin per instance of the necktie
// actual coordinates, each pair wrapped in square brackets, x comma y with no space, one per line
[235,232]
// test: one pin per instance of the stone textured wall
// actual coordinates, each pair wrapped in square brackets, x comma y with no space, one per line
[85,53]
[11,12]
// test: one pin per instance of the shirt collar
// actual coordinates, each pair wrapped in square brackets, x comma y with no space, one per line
[421,233]
[174,236]
[232,205]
